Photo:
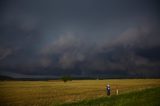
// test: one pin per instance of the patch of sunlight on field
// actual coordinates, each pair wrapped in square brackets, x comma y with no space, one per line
[42,93]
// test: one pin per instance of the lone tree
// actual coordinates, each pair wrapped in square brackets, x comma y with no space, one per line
[66,78]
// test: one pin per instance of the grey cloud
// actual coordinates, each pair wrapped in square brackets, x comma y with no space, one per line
[5,52]
[117,54]
[88,36]
[69,47]
[144,35]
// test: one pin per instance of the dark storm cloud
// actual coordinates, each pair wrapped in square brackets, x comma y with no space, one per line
[4,52]
[84,37]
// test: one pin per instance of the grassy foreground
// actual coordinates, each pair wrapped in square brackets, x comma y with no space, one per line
[147,97]
[51,93]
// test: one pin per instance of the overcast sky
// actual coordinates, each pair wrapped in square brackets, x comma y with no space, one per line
[80,37]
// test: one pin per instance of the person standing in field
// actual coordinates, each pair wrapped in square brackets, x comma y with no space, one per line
[108,89]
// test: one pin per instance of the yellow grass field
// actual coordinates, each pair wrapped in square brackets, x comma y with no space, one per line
[44,93]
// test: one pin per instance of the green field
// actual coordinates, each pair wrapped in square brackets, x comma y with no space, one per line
[146,97]
[50,93]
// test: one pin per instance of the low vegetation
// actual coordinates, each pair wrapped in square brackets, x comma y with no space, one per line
[66,78]
[147,97]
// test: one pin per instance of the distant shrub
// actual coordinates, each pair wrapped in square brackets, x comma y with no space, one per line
[66,78]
